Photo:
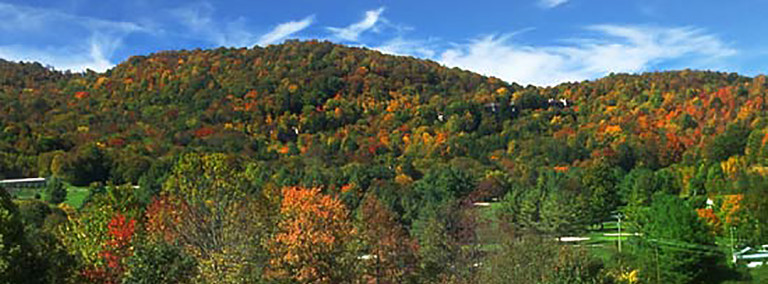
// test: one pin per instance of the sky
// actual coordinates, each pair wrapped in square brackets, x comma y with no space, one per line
[539,42]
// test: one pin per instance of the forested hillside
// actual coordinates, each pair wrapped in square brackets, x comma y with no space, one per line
[311,162]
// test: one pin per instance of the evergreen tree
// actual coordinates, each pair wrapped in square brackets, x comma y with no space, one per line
[55,192]
[675,246]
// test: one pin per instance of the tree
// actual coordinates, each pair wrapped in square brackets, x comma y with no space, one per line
[159,262]
[552,207]
[532,259]
[212,213]
[55,192]
[676,246]
[49,261]
[637,187]
[437,250]
[729,143]
[13,248]
[559,214]
[600,181]
[441,185]
[751,229]
[151,181]
[389,250]
[312,243]
[118,246]
[100,233]
[88,164]
[448,248]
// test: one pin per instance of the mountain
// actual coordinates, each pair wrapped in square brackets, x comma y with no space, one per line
[337,105]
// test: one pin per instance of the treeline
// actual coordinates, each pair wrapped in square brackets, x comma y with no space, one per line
[232,148]
[216,220]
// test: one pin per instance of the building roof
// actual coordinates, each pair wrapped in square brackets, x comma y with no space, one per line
[20,180]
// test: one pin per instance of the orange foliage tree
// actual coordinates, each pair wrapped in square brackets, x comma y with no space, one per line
[312,244]
[709,217]
[731,209]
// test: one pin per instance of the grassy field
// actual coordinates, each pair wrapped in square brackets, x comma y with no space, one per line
[25,193]
[75,195]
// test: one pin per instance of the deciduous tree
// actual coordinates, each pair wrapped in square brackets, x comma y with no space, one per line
[314,238]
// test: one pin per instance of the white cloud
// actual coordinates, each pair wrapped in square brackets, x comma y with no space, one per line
[284,30]
[353,31]
[400,46]
[72,42]
[198,19]
[93,55]
[16,18]
[615,49]
[551,3]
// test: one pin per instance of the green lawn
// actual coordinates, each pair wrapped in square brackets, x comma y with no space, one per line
[602,246]
[25,193]
[75,195]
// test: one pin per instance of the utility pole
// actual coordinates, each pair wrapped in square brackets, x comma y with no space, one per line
[618,217]
[732,248]
[658,275]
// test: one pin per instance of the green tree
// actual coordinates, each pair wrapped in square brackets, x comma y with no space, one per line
[13,248]
[675,246]
[438,250]
[600,181]
[553,206]
[532,259]
[49,260]
[441,185]
[729,143]
[55,192]
[159,262]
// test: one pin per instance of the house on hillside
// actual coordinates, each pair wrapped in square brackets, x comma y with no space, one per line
[559,103]
[14,186]
[22,183]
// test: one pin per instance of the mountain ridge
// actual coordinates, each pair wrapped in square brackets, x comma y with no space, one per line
[319,99]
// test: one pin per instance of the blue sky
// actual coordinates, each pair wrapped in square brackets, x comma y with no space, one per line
[541,42]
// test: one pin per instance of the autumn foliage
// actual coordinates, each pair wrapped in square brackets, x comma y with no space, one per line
[313,234]
[120,231]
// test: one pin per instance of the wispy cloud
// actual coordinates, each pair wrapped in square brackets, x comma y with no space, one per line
[408,47]
[353,31]
[199,20]
[200,24]
[284,30]
[549,4]
[93,55]
[17,18]
[615,48]
[63,34]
